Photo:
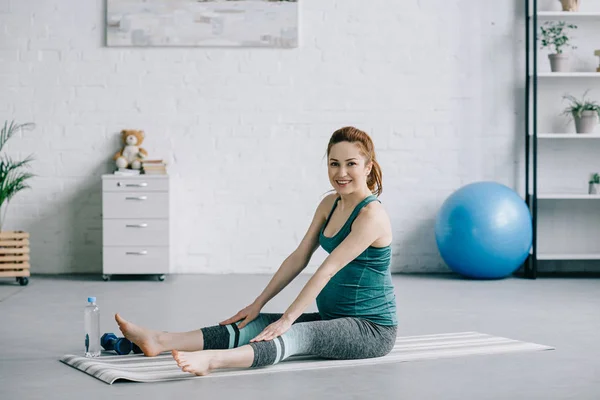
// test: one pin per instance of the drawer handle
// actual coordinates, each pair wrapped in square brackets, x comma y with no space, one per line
[136,225]
[137,253]
[136,198]
[143,184]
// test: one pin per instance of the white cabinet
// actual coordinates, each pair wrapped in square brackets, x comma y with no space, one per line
[135,225]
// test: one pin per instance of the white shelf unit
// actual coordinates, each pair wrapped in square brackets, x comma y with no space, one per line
[556,204]
[135,225]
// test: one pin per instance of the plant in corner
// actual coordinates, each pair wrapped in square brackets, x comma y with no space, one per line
[554,36]
[14,250]
[584,112]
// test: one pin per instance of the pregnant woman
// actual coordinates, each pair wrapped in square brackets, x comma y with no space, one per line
[353,288]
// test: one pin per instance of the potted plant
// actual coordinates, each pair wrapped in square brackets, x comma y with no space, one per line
[594,183]
[584,112]
[14,245]
[570,5]
[554,36]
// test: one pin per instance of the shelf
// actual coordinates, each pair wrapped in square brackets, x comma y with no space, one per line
[567,135]
[567,256]
[567,196]
[567,75]
[567,206]
[570,14]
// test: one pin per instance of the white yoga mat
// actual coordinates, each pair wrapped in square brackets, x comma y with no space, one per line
[139,368]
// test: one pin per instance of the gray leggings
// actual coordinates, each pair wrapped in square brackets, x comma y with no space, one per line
[341,338]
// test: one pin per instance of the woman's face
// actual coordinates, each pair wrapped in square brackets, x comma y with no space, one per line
[346,168]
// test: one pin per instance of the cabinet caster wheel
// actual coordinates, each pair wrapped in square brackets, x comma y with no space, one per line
[161,278]
[23,281]
[106,278]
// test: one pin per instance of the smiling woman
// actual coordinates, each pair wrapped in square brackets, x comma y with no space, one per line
[353,287]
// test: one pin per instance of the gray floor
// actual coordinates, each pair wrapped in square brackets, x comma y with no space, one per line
[44,320]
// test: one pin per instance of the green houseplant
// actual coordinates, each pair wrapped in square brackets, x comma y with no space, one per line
[585,113]
[14,245]
[554,35]
[13,177]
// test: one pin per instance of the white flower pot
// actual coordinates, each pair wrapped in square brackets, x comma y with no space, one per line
[570,5]
[587,122]
[559,62]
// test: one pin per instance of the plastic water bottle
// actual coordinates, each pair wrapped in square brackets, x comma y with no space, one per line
[92,328]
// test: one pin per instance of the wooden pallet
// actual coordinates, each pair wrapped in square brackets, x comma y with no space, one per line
[14,254]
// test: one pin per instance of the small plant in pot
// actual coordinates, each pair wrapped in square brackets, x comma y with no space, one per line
[570,5]
[594,184]
[585,113]
[554,36]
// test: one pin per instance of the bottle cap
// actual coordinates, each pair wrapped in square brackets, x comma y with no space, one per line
[91,299]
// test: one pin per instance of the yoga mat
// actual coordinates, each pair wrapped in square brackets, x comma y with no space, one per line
[139,368]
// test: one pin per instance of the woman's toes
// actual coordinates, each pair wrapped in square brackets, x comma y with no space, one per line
[120,320]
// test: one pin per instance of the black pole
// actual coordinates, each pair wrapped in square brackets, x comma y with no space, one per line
[528,262]
[534,199]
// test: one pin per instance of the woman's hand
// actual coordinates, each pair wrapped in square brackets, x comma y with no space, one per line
[274,330]
[249,313]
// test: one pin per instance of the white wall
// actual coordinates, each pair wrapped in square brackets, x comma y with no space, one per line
[438,85]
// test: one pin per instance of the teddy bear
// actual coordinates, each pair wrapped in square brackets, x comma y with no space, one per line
[132,154]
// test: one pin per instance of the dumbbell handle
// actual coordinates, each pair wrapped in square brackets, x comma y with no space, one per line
[136,348]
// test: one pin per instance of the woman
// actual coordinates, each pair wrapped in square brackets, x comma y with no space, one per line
[352,287]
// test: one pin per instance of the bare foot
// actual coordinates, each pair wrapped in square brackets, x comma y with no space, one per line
[147,340]
[195,362]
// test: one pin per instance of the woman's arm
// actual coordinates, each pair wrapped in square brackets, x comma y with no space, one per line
[289,269]
[298,260]
[365,230]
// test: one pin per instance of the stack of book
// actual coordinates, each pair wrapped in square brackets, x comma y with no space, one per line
[154,167]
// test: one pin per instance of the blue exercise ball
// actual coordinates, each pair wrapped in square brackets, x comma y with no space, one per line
[484,231]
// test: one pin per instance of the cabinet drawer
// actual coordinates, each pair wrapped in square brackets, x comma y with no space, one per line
[135,205]
[141,184]
[135,260]
[135,232]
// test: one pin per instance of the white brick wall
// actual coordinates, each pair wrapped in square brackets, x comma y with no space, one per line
[436,83]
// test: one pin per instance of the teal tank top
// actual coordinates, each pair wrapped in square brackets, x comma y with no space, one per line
[363,288]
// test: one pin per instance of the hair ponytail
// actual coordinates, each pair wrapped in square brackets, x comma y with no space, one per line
[374,179]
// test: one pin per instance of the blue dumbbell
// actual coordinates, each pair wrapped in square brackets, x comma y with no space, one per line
[121,345]
[136,349]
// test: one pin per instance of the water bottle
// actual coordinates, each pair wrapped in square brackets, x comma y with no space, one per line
[92,328]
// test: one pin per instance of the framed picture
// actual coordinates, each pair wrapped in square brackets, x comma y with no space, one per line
[219,23]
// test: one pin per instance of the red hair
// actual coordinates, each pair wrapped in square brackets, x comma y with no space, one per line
[367,149]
